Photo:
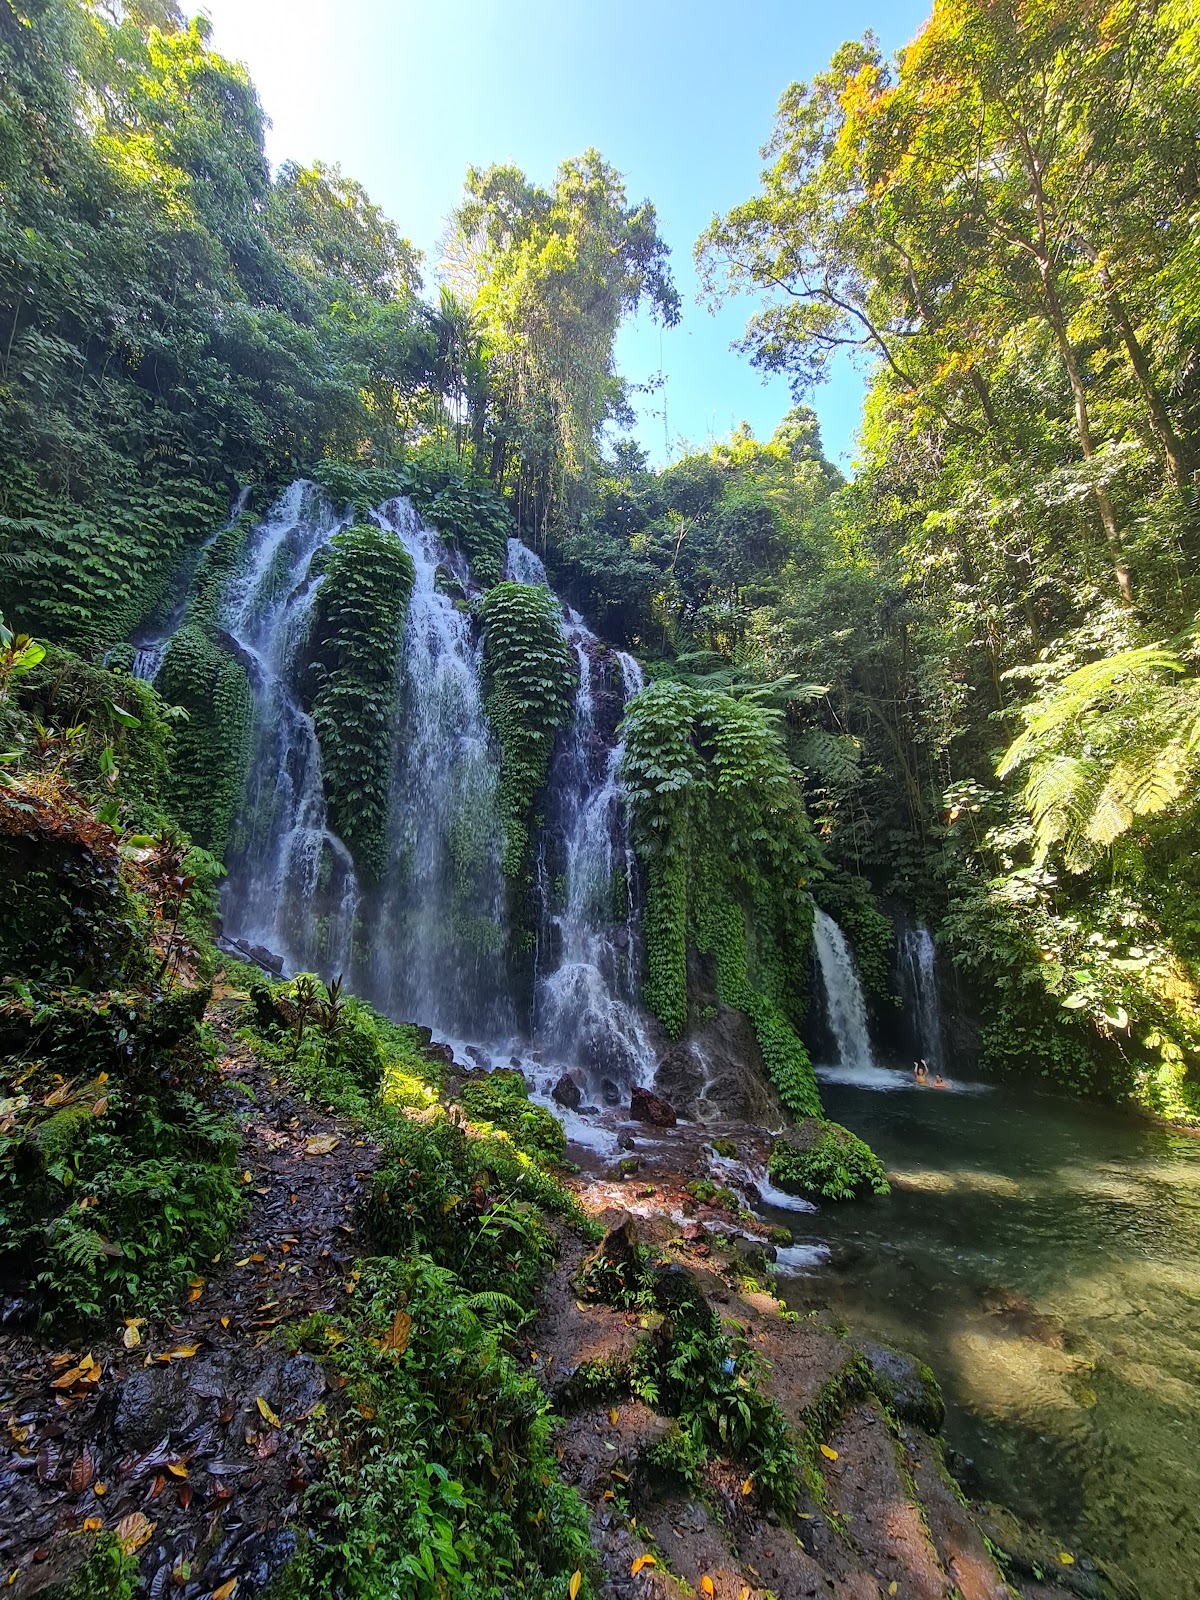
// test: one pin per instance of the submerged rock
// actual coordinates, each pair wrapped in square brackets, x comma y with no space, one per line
[907,1385]
[652,1108]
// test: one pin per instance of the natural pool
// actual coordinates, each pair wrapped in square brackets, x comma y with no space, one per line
[1044,1257]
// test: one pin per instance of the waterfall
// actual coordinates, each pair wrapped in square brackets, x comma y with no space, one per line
[844,1003]
[292,885]
[437,946]
[149,648]
[524,565]
[585,995]
[918,985]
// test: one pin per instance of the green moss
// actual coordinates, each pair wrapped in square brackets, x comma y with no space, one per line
[824,1159]
[354,646]
[502,1098]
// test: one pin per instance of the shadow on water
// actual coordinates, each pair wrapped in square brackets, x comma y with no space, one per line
[1044,1257]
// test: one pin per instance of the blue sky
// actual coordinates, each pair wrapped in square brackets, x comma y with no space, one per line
[679,97]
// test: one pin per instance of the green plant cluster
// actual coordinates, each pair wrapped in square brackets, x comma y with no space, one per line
[465,509]
[354,647]
[691,1370]
[117,1174]
[530,696]
[202,676]
[439,1475]
[502,1098]
[849,901]
[824,1159]
[719,820]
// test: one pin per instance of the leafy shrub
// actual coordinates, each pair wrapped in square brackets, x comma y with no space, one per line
[117,1177]
[502,1098]
[825,1159]
[439,1475]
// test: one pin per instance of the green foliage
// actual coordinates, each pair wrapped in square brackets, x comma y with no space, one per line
[466,510]
[117,1177]
[826,1160]
[107,1574]
[211,754]
[718,819]
[709,1382]
[502,1098]
[438,1476]
[354,647]
[530,697]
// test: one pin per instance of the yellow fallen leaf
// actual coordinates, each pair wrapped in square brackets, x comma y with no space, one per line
[1067,1561]
[613,1415]
[642,1561]
[177,1469]
[226,1591]
[747,1485]
[744,1593]
[321,1144]
[573,1587]
[224,1322]
[893,1586]
[92,1524]
[266,1413]
[247,1176]
[706,1585]
[100,1488]
[133,1531]
[396,1338]
[181,1352]
[131,1338]
[828,1453]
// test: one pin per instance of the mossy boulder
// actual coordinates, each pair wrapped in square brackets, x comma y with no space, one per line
[907,1385]
[826,1160]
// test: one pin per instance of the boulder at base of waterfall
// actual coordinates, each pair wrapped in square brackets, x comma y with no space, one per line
[908,1386]
[567,1092]
[647,1107]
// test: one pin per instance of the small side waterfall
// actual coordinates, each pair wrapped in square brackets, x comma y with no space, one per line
[919,987]
[845,1006]
[436,946]
[150,648]
[292,885]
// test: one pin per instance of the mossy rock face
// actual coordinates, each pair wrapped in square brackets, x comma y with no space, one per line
[823,1159]
[907,1385]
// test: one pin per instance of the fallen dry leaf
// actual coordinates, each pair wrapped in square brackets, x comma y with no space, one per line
[396,1338]
[133,1531]
[828,1453]
[747,1485]
[706,1585]
[131,1338]
[83,1470]
[177,1469]
[226,1591]
[613,1415]
[321,1144]
[642,1561]
[266,1413]
[92,1524]
[576,1580]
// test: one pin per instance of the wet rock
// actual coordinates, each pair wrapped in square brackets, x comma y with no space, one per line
[717,1073]
[1031,1554]
[567,1092]
[155,1403]
[609,1092]
[628,1166]
[907,1385]
[625,1140]
[647,1107]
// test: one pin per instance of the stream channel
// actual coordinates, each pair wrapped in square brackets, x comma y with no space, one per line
[1044,1257]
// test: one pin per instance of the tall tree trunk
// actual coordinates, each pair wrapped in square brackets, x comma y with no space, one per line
[1104,505]
[1160,419]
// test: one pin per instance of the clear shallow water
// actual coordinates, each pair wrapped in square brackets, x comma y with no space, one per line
[1044,1258]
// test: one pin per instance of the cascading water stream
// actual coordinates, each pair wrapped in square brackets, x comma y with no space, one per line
[292,886]
[919,987]
[149,648]
[585,1012]
[437,946]
[845,1007]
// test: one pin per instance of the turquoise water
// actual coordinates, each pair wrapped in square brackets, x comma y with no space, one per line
[1044,1258]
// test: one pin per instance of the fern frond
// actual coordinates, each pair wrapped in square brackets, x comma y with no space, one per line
[491,1302]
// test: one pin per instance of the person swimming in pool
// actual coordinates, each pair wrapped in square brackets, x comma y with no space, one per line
[939,1082]
[921,1071]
